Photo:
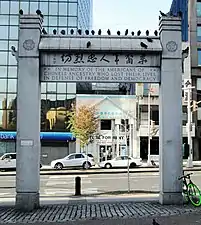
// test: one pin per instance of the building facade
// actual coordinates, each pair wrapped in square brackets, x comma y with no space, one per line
[191,34]
[55,98]
[119,112]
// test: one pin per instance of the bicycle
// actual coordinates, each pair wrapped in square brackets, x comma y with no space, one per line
[190,191]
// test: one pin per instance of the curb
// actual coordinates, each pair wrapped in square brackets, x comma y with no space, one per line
[97,171]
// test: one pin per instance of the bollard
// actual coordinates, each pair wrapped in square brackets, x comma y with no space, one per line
[78,186]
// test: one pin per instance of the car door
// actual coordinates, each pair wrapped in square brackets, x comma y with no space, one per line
[13,161]
[79,159]
[116,162]
[6,161]
[69,160]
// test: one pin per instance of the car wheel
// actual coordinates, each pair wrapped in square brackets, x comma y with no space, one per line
[86,165]
[108,166]
[58,166]
[133,165]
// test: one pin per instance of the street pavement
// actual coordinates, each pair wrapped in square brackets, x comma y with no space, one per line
[94,184]
[104,213]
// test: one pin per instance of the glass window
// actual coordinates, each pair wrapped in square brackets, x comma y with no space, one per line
[199,57]
[13,32]
[106,125]
[14,20]
[62,21]
[199,84]
[72,9]
[3,85]
[44,7]
[25,7]
[12,85]
[14,8]
[63,9]
[71,88]
[51,87]
[33,7]
[4,7]
[12,72]
[12,60]
[79,156]
[61,87]
[4,32]
[2,118]
[61,100]
[52,98]
[71,157]
[4,20]
[52,21]
[3,71]
[11,101]
[53,8]
[199,33]
[3,58]
[43,96]
[71,96]
[3,45]
[72,21]
[11,119]
[43,88]
[198,8]
[199,113]
[3,101]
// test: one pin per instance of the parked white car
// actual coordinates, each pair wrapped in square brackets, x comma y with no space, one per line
[8,161]
[73,160]
[120,161]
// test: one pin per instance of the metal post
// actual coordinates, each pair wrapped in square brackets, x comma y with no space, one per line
[128,172]
[149,139]
[190,157]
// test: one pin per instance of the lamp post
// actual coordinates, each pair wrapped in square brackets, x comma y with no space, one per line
[149,126]
[188,88]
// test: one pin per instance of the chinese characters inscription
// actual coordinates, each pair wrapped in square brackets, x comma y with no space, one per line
[105,59]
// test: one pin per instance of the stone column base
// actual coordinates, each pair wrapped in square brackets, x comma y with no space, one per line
[171,198]
[27,201]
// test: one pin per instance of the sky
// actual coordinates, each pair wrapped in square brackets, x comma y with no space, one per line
[128,14]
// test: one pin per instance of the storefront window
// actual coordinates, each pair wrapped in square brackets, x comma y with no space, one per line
[198,8]
[106,125]
[199,57]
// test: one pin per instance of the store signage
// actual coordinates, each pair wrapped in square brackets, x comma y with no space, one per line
[57,136]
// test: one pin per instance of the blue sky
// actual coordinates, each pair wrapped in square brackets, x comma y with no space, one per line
[128,14]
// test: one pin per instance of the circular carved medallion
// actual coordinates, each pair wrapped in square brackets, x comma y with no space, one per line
[29,45]
[171,46]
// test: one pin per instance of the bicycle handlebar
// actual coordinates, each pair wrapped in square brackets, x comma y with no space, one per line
[185,176]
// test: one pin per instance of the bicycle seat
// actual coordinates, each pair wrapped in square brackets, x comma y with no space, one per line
[185,176]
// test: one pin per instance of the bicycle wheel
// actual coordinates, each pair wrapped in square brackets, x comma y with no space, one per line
[194,194]
[185,194]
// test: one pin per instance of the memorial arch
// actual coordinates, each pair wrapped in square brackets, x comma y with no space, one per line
[95,58]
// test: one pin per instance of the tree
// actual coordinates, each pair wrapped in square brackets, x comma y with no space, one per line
[83,123]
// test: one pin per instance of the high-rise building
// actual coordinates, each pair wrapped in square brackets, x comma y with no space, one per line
[59,15]
[191,34]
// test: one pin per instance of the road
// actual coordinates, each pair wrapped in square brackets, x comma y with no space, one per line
[63,185]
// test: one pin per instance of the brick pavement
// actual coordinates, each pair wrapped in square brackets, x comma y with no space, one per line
[82,212]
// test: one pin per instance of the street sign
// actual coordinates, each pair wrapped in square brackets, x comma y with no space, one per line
[187,83]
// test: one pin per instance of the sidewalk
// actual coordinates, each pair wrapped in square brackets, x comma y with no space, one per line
[79,212]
